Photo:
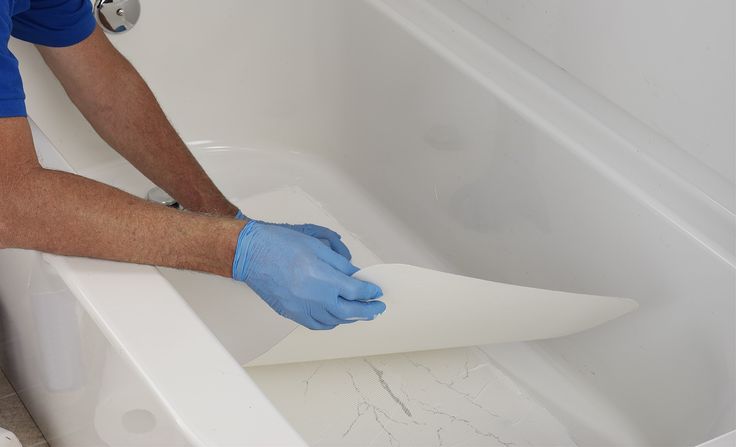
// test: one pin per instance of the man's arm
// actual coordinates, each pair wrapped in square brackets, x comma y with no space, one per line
[57,212]
[129,119]
[63,213]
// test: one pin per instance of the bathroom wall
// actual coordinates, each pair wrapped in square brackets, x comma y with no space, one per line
[670,63]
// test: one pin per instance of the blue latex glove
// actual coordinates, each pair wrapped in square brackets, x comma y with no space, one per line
[301,278]
[327,236]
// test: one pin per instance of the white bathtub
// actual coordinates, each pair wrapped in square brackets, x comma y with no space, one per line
[440,142]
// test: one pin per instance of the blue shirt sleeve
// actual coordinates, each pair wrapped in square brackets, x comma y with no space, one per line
[54,23]
[12,98]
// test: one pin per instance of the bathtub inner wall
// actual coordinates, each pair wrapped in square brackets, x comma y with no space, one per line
[500,199]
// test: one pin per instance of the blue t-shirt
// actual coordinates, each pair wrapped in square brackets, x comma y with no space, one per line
[53,23]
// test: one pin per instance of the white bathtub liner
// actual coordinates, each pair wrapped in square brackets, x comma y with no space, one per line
[427,309]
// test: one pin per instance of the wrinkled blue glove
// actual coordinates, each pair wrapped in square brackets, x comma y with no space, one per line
[301,278]
[327,236]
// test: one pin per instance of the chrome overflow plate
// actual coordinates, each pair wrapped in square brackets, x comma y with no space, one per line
[161,197]
[117,16]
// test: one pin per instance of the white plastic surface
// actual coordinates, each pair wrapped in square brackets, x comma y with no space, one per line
[427,309]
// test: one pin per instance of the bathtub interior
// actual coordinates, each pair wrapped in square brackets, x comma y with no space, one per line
[428,167]
[448,397]
[520,393]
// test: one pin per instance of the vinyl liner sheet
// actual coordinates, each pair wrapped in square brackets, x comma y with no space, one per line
[426,309]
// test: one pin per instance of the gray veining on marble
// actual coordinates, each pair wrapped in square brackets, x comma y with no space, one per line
[453,397]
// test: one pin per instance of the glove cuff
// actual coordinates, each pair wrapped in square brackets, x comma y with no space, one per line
[240,260]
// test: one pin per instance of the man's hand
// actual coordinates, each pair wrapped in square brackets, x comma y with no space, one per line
[301,278]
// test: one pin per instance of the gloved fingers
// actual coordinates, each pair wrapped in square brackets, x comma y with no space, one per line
[317,326]
[338,261]
[356,310]
[300,312]
[334,239]
[322,316]
[354,289]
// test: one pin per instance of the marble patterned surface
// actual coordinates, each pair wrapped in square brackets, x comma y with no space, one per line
[453,397]
[15,417]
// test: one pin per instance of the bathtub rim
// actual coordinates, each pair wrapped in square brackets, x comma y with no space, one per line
[198,352]
[125,318]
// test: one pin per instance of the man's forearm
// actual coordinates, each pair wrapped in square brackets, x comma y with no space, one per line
[63,213]
[128,117]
